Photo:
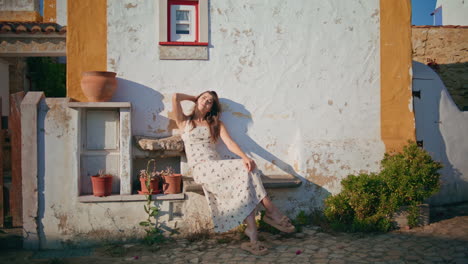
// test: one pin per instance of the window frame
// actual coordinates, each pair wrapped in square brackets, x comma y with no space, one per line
[169,19]
[166,40]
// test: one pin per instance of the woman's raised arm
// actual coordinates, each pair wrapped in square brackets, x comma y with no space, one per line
[177,108]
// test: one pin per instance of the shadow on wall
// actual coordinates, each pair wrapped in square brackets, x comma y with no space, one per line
[147,104]
[238,120]
[442,128]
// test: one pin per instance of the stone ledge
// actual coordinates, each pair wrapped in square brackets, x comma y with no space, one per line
[99,104]
[169,144]
[269,182]
[130,198]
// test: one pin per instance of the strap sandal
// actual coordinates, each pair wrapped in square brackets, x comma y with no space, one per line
[284,224]
[255,248]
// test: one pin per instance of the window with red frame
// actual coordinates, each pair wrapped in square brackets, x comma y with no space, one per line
[182,22]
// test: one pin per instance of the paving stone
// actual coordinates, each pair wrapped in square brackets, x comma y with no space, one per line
[195,260]
[461,261]
[441,242]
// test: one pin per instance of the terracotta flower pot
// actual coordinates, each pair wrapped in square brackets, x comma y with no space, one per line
[172,184]
[98,86]
[102,186]
[154,184]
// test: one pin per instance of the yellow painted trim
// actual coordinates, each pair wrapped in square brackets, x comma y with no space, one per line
[397,116]
[50,11]
[20,16]
[86,42]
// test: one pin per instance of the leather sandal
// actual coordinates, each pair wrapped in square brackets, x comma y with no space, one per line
[284,224]
[255,248]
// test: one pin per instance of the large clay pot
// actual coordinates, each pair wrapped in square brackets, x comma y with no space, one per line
[172,183]
[154,185]
[98,86]
[102,185]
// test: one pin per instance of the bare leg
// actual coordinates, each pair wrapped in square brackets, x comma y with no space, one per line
[276,218]
[271,210]
[251,230]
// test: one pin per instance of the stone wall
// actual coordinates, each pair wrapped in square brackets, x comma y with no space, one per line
[445,50]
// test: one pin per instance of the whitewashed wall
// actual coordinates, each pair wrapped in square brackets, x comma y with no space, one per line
[19,5]
[442,127]
[62,220]
[62,12]
[454,12]
[299,82]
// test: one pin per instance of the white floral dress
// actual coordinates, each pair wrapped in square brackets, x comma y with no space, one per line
[231,191]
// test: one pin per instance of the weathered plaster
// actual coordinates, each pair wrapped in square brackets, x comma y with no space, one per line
[86,37]
[29,159]
[20,5]
[284,101]
[62,12]
[183,53]
[50,11]
[125,170]
[62,220]
[20,10]
[442,128]
[20,16]
[301,85]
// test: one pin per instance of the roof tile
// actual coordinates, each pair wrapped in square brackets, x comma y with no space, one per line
[31,28]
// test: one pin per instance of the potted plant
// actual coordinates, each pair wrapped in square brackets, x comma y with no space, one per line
[172,182]
[149,180]
[102,184]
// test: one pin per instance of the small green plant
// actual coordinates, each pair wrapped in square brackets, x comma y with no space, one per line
[368,201]
[102,173]
[167,172]
[153,233]
[150,175]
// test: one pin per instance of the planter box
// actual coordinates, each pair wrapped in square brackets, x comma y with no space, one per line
[400,217]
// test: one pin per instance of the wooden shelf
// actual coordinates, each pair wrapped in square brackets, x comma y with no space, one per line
[99,104]
[130,198]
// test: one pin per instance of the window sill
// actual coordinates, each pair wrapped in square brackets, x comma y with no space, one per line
[183,52]
[130,198]
[99,104]
[173,43]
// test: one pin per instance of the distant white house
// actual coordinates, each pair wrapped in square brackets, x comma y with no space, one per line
[450,12]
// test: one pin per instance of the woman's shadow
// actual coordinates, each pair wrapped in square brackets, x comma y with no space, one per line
[238,120]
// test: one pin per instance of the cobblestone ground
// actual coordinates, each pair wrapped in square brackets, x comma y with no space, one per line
[445,241]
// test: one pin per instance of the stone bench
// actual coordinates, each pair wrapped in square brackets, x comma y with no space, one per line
[174,146]
[269,182]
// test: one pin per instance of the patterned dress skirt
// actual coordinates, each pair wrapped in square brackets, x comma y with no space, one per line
[231,191]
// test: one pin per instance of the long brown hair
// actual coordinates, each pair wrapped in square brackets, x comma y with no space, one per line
[212,117]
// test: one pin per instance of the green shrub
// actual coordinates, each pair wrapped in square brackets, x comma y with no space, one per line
[368,201]
[411,176]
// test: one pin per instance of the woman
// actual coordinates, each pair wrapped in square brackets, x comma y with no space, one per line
[233,188]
